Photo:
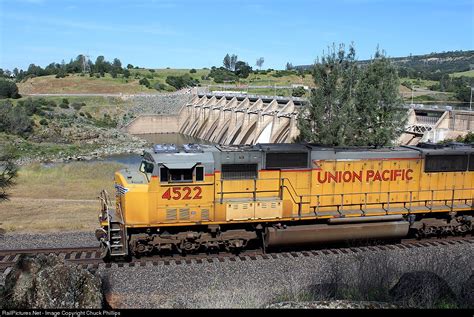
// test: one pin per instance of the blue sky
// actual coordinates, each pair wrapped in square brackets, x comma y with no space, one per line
[194,33]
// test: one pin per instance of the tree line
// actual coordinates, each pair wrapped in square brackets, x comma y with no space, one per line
[81,64]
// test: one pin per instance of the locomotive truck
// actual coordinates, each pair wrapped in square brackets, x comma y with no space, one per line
[195,198]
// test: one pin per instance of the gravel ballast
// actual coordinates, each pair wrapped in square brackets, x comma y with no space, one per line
[12,240]
[258,283]
[246,283]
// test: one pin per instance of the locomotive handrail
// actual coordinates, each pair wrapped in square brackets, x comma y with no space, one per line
[285,182]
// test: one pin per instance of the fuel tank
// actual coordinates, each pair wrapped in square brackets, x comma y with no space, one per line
[336,231]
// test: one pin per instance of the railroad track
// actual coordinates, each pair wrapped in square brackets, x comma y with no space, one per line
[90,257]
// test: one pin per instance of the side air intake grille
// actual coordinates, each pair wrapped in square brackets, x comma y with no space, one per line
[171,214]
[184,214]
[205,214]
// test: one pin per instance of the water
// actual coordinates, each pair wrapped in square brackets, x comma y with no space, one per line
[176,138]
[155,138]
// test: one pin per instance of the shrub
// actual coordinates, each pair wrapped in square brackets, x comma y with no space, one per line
[43,122]
[8,89]
[160,86]
[78,105]
[145,82]
[15,120]
[64,105]
[192,71]
[221,75]
[298,92]
[180,82]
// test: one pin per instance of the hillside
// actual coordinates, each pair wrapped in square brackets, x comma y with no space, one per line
[428,74]
[447,62]
[79,84]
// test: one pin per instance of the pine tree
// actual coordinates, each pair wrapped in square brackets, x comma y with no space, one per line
[327,119]
[226,61]
[352,106]
[381,118]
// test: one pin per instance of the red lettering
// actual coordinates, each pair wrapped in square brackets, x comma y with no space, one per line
[177,193]
[370,174]
[324,180]
[332,177]
[187,195]
[377,176]
[397,174]
[357,176]
[198,191]
[167,194]
[347,176]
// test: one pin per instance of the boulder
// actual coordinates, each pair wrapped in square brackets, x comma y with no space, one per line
[46,282]
[422,289]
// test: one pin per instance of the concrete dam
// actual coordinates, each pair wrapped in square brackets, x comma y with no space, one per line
[227,119]
[244,119]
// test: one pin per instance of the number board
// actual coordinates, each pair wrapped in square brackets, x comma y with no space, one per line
[183,193]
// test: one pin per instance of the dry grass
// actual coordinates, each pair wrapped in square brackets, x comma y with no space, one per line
[40,215]
[80,84]
[78,180]
[61,197]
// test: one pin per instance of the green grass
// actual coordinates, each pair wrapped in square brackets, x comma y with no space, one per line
[419,83]
[254,79]
[469,73]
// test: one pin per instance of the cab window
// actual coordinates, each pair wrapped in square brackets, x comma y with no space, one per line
[181,175]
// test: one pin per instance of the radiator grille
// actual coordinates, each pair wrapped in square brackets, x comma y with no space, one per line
[184,214]
[205,214]
[171,214]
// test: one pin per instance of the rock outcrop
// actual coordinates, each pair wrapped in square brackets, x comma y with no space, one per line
[46,282]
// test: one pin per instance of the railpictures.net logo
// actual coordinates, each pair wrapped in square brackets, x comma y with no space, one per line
[57,313]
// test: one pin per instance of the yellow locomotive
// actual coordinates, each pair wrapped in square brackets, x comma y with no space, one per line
[200,197]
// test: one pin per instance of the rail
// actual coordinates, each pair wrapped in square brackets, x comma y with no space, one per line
[429,198]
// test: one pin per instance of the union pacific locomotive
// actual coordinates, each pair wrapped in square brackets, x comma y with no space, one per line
[194,198]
